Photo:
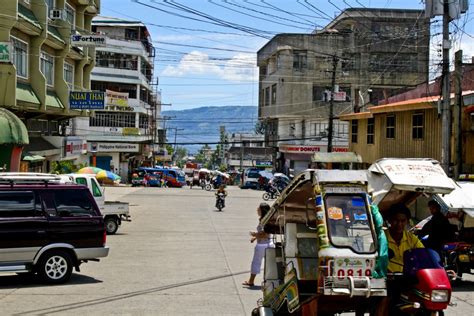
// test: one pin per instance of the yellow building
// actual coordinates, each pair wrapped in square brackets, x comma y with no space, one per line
[409,129]
[41,67]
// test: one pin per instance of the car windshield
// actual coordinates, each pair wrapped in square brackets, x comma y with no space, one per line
[253,174]
[349,222]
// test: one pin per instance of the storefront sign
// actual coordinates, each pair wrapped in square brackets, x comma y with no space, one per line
[117,100]
[339,96]
[114,147]
[5,52]
[74,146]
[296,149]
[299,149]
[130,131]
[79,100]
[93,40]
[263,163]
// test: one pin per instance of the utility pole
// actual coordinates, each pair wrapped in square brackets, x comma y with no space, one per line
[331,102]
[457,113]
[446,110]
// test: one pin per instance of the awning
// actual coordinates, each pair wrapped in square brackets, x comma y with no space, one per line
[25,93]
[12,129]
[41,147]
[336,157]
[52,100]
[33,158]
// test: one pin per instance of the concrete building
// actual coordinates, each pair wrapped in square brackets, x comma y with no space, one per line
[123,135]
[369,54]
[38,68]
[248,150]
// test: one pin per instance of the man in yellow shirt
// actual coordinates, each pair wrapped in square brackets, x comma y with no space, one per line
[399,239]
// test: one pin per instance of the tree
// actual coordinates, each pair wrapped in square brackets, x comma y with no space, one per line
[201,156]
[180,153]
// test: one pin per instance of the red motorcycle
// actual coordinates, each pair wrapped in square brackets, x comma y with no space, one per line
[425,289]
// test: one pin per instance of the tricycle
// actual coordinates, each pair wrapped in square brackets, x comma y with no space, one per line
[331,253]
[321,265]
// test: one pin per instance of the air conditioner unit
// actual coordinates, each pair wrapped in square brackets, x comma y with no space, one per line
[56,14]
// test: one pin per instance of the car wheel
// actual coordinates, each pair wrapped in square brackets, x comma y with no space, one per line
[111,225]
[55,267]
[208,187]
[266,196]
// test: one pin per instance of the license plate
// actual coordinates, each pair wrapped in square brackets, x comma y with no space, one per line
[356,267]
[463,258]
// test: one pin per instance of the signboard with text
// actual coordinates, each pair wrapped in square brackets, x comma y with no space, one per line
[74,146]
[5,52]
[308,149]
[79,100]
[93,40]
[114,147]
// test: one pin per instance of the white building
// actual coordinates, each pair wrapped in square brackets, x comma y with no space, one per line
[247,150]
[124,134]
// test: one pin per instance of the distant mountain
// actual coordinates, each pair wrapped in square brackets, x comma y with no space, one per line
[201,125]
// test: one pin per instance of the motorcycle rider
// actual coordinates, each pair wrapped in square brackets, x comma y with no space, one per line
[399,240]
[438,229]
[221,190]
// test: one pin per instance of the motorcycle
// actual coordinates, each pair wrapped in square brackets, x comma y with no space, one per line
[271,193]
[220,201]
[458,258]
[425,286]
[212,185]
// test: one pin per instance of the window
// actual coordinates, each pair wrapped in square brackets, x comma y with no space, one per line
[143,121]
[50,4]
[70,14]
[299,60]
[96,189]
[390,124]
[81,181]
[20,57]
[354,130]
[417,123]
[73,203]
[355,235]
[274,93]
[267,96]
[69,75]
[112,119]
[17,204]
[47,68]
[370,130]
[292,128]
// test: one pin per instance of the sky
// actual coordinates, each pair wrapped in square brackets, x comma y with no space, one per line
[206,49]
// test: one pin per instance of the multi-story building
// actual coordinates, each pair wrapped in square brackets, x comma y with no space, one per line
[123,135]
[363,55]
[247,150]
[41,67]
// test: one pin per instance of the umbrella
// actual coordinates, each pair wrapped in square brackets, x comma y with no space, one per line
[107,176]
[266,174]
[89,170]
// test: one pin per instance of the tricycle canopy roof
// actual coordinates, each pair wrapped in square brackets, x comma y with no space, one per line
[396,180]
[296,203]
[460,199]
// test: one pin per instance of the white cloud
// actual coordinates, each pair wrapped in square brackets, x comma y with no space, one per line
[240,67]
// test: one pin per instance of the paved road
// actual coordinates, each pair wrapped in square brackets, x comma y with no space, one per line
[178,256]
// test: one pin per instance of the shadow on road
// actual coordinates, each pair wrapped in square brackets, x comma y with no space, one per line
[125,295]
[30,281]
[463,286]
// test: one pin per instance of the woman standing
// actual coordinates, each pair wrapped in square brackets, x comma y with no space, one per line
[263,242]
